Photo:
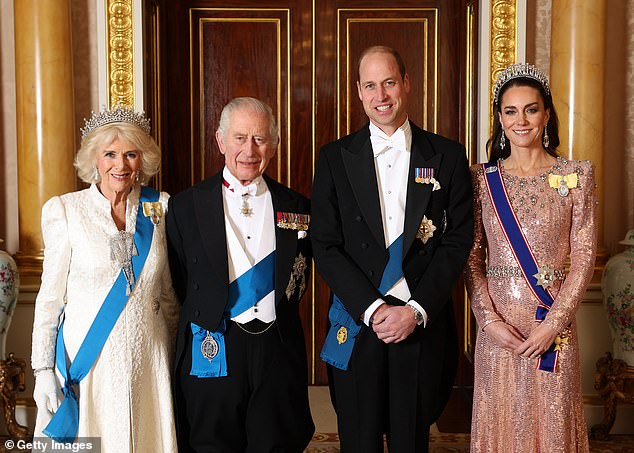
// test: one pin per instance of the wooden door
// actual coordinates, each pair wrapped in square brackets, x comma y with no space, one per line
[300,57]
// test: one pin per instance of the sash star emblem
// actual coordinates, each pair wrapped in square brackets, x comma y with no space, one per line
[298,279]
[545,276]
[425,230]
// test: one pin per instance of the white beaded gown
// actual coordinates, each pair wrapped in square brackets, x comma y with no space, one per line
[126,398]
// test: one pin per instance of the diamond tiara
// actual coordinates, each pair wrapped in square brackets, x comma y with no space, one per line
[515,71]
[118,114]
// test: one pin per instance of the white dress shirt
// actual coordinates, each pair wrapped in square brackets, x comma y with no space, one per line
[250,237]
[391,162]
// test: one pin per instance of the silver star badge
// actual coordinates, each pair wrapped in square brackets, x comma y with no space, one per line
[425,230]
[545,276]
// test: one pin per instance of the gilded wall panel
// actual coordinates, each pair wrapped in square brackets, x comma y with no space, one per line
[503,41]
[120,52]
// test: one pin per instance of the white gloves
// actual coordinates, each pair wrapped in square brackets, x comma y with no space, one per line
[47,394]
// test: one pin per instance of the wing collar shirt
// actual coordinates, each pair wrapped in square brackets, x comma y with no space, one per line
[391,162]
[250,227]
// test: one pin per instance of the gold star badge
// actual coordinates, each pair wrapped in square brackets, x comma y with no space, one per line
[545,276]
[560,340]
[425,230]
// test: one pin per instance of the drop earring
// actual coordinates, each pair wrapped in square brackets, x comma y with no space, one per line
[502,141]
[546,139]
[95,175]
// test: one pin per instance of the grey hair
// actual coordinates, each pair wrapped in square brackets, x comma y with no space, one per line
[97,140]
[249,104]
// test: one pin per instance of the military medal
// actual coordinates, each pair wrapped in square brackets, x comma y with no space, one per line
[209,347]
[425,175]
[342,335]
[245,209]
[293,221]
[425,230]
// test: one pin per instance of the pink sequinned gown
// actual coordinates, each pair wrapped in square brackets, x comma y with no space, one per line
[517,408]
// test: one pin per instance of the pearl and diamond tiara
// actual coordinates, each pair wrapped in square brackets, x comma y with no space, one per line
[515,71]
[117,114]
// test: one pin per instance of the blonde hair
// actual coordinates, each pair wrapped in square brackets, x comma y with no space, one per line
[86,159]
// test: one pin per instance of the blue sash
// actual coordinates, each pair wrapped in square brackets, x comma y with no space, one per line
[65,423]
[343,329]
[244,292]
[522,252]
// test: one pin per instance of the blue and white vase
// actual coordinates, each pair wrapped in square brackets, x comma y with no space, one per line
[618,299]
[9,285]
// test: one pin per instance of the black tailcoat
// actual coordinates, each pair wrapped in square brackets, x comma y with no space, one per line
[349,247]
[199,266]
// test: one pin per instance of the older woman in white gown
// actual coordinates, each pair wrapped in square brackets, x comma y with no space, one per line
[106,281]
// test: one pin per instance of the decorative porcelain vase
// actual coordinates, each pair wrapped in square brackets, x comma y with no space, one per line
[9,285]
[618,298]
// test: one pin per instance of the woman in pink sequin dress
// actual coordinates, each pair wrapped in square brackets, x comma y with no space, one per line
[517,407]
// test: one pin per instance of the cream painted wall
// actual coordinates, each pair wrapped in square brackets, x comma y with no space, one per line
[594,334]
[8,155]
[619,161]
[84,20]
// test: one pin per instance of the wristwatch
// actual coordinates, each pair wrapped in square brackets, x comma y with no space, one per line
[418,316]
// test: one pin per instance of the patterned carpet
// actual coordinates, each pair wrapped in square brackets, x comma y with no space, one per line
[459,443]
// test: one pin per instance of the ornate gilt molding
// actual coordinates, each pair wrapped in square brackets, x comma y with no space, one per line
[120,52]
[503,41]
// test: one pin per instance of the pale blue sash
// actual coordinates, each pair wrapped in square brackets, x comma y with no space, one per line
[65,423]
[244,292]
[341,337]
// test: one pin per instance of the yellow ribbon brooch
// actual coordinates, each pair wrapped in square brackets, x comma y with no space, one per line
[153,210]
[563,183]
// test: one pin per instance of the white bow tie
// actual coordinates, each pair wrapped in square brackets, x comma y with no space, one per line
[381,143]
[251,189]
